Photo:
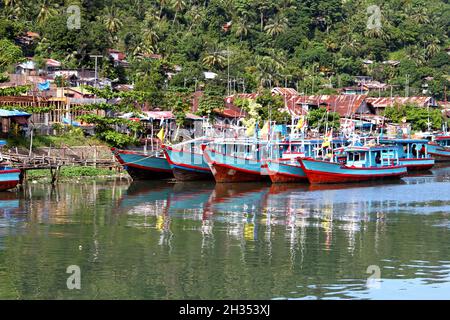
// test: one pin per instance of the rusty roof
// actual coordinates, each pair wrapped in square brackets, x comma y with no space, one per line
[345,105]
[386,102]
[288,92]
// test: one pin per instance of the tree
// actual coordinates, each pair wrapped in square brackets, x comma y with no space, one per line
[9,54]
[47,9]
[322,118]
[178,6]
[276,26]
[214,58]
[112,19]
[419,117]
[209,103]
[241,28]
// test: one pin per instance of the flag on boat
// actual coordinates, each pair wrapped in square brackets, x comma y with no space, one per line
[265,130]
[327,140]
[251,126]
[301,123]
[160,135]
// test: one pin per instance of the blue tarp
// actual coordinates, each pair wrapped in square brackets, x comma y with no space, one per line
[44,86]
[13,113]
[73,123]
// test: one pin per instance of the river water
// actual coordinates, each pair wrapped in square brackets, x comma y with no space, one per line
[234,241]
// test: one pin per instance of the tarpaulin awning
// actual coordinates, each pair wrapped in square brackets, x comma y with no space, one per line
[13,113]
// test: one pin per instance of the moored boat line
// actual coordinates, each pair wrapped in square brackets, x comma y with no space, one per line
[328,160]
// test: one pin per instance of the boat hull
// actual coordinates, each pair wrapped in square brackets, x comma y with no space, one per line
[9,179]
[322,172]
[228,169]
[439,153]
[143,167]
[418,164]
[187,166]
[283,172]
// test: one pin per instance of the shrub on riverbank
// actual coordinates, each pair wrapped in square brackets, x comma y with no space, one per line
[72,172]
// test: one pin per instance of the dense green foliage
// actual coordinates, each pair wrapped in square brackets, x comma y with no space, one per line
[305,44]
[419,118]
[14,91]
[70,173]
[321,119]
[66,137]
[265,107]
[106,129]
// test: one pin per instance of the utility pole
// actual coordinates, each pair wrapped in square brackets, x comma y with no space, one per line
[96,57]
[407,86]
[228,68]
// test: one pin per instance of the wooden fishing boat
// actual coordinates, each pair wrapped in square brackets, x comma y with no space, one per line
[439,148]
[235,160]
[283,166]
[412,153]
[360,164]
[9,178]
[186,161]
[142,166]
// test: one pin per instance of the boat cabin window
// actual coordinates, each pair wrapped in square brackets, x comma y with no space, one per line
[444,143]
[357,159]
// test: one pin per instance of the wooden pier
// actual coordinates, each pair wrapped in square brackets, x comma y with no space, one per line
[52,163]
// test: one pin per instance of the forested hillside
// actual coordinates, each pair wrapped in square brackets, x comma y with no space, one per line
[311,45]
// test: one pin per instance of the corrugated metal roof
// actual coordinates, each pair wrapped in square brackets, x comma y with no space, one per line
[345,105]
[168,115]
[289,92]
[386,102]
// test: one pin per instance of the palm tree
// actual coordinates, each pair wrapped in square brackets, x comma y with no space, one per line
[214,59]
[242,28]
[420,16]
[139,8]
[14,9]
[377,33]
[178,5]
[276,26]
[433,47]
[263,6]
[162,4]
[195,15]
[267,70]
[112,19]
[416,54]
[46,10]
[150,36]
[8,3]
[141,49]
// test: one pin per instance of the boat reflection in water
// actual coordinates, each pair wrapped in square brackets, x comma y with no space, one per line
[9,209]
[241,209]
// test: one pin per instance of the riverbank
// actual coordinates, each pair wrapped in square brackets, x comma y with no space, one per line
[68,174]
